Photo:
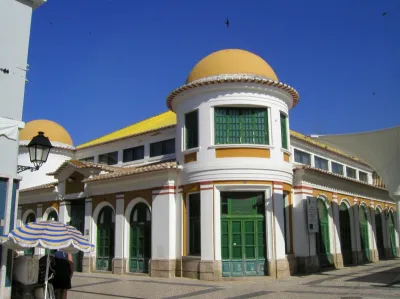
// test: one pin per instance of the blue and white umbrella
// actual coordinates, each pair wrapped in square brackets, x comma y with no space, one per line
[48,235]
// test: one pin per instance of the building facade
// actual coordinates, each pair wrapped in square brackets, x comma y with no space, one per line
[218,186]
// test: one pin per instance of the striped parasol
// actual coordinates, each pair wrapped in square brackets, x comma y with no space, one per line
[49,235]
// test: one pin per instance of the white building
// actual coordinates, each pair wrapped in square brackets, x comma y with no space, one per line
[216,187]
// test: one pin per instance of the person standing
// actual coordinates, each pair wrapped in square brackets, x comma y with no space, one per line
[64,269]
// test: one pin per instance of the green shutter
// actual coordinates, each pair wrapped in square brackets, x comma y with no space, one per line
[191,126]
[284,131]
[241,126]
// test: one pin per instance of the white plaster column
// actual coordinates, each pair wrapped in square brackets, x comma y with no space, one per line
[279,224]
[336,230]
[357,230]
[163,232]
[384,228]
[19,217]
[118,263]
[397,200]
[179,223]
[64,212]
[86,264]
[373,245]
[206,214]
[39,217]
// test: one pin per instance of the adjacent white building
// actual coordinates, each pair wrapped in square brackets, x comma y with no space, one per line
[216,187]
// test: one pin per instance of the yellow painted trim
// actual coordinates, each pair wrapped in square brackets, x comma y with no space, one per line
[327,194]
[286,157]
[190,188]
[287,188]
[242,152]
[192,157]
[55,205]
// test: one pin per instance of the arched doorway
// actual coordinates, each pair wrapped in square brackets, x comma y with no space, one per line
[364,233]
[345,234]
[379,234]
[392,234]
[140,239]
[323,241]
[31,218]
[105,239]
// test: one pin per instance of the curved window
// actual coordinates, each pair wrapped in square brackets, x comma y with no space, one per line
[345,234]
[105,239]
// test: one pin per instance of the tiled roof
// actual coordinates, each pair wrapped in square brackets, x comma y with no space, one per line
[231,78]
[310,168]
[164,165]
[39,187]
[82,164]
[160,121]
[323,146]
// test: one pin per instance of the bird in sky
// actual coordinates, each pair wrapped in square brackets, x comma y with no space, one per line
[227,23]
[384,14]
[373,93]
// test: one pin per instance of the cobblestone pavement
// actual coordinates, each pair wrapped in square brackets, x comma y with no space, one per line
[370,281]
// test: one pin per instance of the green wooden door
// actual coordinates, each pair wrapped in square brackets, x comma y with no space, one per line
[105,239]
[345,234]
[243,234]
[379,234]
[392,234]
[364,234]
[140,239]
[323,241]
[78,221]
[31,218]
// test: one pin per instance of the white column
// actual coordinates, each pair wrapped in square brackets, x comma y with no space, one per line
[373,245]
[179,223]
[397,219]
[336,225]
[119,227]
[206,216]
[217,225]
[39,215]
[357,227]
[278,220]
[64,212]
[88,222]
[163,225]
[384,228]
[301,238]
[19,217]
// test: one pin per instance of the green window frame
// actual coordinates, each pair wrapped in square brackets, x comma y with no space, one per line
[192,129]
[241,125]
[284,131]
[194,224]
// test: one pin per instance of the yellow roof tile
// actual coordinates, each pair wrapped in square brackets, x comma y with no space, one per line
[159,121]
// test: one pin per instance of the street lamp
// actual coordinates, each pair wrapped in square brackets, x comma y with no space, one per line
[39,149]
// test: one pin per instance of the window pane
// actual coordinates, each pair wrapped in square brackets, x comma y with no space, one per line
[321,163]
[133,154]
[363,176]
[109,158]
[169,146]
[260,126]
[284,131]
[88,159]
[156,149]
[302,157]
[191,124]
[221,126]
[337,168]
[234,126]
[194,224]
[351,172]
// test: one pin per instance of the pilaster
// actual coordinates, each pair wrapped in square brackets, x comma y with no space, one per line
[118,262]
[64,212]
[19,217]
[39,217]
[374,248]
[87,259]
[357,256]
[163,229]
[337,255]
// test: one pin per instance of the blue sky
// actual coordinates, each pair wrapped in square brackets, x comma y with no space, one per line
[100,65]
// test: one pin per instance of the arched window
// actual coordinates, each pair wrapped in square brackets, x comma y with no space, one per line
[364,233]
[323,242]
[105,239]
[345,234]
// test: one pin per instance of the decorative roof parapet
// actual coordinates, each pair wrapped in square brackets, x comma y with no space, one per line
[82,164]
[40,187]
[231,78]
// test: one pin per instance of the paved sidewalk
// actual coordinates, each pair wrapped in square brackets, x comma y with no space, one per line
[373,281]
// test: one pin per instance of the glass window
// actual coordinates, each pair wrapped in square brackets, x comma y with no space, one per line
[351,172]
[194,224]
[284,131]
[302,157]
[133,154]
[337,168]
[161,148]
[88,159]
[321,163]
[109,158]
[241,126]
[362,176]
[192,132]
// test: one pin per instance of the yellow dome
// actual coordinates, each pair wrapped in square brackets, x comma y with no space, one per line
[231,61]
[52,130]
